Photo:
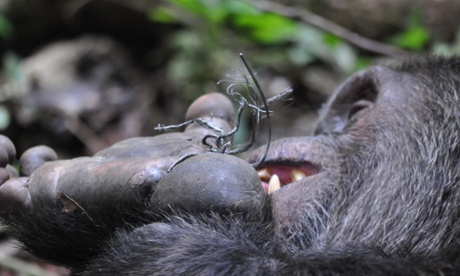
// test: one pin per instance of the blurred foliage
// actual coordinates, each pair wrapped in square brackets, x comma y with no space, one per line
[415,37]
[6,28]
[211,33]
[215,27]
[12,68]
[447,49]
[9,89]
[5,118]
[213,30]
[6,31]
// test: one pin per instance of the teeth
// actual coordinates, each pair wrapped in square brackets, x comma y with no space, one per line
[274,184]
[296,175]
[264,174]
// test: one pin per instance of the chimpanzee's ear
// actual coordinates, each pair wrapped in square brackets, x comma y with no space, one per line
[358,92]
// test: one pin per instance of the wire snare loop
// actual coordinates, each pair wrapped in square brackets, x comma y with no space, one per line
[254,101]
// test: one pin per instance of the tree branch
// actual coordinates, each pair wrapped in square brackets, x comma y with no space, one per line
[303,15]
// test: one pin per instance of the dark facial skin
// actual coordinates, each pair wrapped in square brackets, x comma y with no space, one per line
[377,193]
[361,151]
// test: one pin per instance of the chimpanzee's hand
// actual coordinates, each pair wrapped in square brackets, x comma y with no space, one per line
[62,209]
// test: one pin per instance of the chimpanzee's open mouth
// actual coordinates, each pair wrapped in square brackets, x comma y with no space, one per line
[275,176]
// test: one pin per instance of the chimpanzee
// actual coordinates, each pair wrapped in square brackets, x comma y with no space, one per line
[376,191]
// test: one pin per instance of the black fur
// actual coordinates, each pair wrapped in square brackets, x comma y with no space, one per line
[386,200]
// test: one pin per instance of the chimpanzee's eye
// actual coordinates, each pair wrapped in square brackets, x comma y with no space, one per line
[358,106]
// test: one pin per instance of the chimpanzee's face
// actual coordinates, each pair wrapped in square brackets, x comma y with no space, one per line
[368,150]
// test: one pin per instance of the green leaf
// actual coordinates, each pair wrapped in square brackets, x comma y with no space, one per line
[414,38]
[211,10]
[362,63]
[163,15]
[195,6]
[267,28]
[238,7]
[331,40]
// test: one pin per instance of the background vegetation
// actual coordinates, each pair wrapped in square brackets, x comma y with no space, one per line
[80,75]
